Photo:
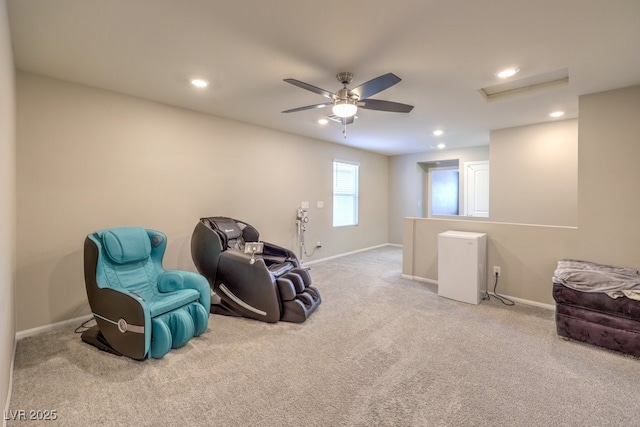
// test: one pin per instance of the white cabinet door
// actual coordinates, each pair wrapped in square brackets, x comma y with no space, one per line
[477,188]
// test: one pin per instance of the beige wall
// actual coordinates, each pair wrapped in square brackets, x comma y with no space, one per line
[7,206]
[526,254]
[407,178]
[534,174]
[607,209]
[609,177]
[89,159]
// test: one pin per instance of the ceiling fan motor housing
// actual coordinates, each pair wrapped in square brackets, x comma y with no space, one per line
[346,95]
[344,77]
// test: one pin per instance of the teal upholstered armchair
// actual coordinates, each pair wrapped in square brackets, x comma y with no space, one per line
[141,309]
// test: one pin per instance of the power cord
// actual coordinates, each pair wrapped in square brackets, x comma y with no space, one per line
[502,299]
[304,246]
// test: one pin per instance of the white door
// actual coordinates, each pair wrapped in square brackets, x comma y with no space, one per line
[476,188]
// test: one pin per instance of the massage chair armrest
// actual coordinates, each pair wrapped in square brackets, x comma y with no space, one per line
[175,280]
[240,265]
[110,306]
[239,258]
[249,283]
[274,253]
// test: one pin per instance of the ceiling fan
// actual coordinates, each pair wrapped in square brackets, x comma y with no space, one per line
[345,102]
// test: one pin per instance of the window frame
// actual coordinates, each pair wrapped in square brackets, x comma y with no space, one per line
[354,195]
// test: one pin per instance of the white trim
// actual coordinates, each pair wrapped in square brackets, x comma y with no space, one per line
[420,279]
[397,245]
[46,328]
[470,219]
[529,302]
[316,261]
[514,299]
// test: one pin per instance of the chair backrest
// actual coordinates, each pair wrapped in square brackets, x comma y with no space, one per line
[129,258]
[228,229]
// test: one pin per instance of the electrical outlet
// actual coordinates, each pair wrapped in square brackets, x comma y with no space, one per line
[496,270]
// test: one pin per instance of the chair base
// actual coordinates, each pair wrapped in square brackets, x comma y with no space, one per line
[94,337]
[224,310]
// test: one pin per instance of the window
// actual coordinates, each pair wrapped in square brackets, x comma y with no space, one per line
[444,190]
[345,194]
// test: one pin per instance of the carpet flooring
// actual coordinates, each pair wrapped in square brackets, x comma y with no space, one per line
[379,351]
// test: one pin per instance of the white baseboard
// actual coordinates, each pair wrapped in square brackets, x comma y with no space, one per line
[40,329]
[514,299]
[420,279]
[316,261]
[531,303]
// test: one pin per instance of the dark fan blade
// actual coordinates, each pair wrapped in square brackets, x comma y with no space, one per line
[370,88]
[308,107]
[312,88]
[380,105]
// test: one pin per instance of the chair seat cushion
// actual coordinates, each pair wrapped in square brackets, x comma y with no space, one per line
[165,302]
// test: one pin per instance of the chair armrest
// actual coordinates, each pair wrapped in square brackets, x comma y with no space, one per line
[275,253]
[175,280]
[251,283]
[109,307]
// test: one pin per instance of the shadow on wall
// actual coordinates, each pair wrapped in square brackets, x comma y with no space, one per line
[67,282]
[178,253]
[56,286]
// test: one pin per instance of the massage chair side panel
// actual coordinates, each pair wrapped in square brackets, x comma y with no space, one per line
[206,247]
[246,289]
[107,303]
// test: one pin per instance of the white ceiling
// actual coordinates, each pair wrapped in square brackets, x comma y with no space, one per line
[444,51]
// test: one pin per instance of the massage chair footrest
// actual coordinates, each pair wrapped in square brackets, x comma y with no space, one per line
[300,308]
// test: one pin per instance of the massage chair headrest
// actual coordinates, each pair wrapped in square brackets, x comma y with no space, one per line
[127,244]
[229,230]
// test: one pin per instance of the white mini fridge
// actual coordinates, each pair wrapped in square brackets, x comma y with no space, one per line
[462,266]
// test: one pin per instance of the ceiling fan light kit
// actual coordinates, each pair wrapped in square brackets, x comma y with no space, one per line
[346,101]
[344,108]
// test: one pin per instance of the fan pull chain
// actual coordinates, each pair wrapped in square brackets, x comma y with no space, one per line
[344,131]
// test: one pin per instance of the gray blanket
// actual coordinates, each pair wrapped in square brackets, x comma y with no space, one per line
[591,277]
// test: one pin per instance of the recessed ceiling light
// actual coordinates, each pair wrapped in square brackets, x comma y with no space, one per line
[199,82]
[441,146]
[323,121]
[438,132]
[556,114]
[507,72]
